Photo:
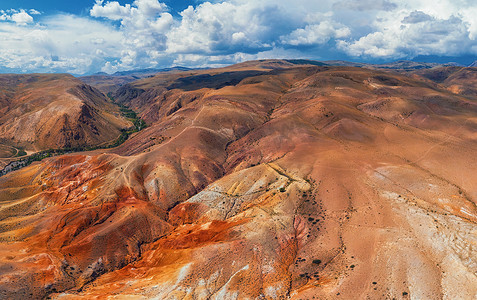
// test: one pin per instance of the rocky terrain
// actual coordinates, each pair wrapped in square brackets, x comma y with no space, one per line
[263,180]
[43,111]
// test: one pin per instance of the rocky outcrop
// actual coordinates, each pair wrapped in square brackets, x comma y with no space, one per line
[126,93]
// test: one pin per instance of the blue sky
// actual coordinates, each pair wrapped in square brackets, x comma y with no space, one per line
[78,7]
[87,36]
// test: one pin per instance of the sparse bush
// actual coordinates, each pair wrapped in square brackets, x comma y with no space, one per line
[20,152]
[317,261]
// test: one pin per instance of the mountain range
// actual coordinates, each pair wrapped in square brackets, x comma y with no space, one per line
[268,179]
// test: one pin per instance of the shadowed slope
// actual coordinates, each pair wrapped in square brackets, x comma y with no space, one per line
[458,80]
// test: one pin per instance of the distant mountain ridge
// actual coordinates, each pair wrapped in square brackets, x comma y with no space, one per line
[109,83]
[140,71]
[150,71]
[398,65]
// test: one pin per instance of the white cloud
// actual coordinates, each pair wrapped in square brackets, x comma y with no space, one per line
[141,14]
[34,12]
[247,26]
[20,17]
[316,34]
[143,26]
[111,10]
[428,30]
[62,43]
[214,28]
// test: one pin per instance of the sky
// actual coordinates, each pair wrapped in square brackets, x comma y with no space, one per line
[88,36]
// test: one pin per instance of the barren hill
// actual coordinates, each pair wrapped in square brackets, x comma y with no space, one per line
[263,180]
[42,111]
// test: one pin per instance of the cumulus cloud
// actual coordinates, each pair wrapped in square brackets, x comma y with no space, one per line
[62,43]
[143,24]
[111,10]
[142,14]
[429,30]
[316,34]
[20,17]
[148,33]
[245,26]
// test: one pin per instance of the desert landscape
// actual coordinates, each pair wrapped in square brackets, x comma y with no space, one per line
[268,179]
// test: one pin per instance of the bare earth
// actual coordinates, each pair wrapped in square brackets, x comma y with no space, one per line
[44,111]
[264,180]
